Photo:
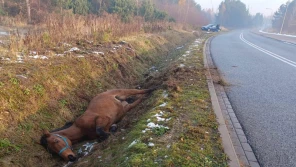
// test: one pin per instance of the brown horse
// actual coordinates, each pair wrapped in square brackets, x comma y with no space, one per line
[97,121]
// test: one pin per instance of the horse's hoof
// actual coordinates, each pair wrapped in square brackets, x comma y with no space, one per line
[102,134]
[113,128]
[100,131]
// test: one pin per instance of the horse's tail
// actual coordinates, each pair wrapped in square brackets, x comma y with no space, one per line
[153,89]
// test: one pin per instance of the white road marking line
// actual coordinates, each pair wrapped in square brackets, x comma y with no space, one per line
[287,61]
[289,43]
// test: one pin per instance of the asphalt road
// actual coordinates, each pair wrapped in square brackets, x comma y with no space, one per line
[262,77]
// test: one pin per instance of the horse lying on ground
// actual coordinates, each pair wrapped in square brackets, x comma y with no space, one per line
[97,121]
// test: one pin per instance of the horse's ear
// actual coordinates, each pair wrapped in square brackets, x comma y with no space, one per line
[46,133]
[35,141]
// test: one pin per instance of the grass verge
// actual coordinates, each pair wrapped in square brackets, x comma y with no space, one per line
[174,127]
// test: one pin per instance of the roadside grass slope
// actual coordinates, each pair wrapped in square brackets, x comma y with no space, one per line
[176,126]
[38,93]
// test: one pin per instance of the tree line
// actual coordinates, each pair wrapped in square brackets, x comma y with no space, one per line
[235,14]
[284,19]
[184,11]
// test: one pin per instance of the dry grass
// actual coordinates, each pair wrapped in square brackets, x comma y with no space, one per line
[60,29]
[41,94]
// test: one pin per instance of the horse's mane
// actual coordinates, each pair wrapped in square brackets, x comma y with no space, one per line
[43,140]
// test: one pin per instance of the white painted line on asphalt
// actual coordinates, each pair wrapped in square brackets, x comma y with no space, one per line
[289,43]
[287,61]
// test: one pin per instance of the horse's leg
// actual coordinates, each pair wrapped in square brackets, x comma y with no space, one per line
[103,125]
[128,107]
[123,94]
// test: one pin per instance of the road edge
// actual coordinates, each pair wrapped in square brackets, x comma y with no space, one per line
[276,39]
[234,141]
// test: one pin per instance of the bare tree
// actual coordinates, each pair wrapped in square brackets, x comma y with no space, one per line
[28,10]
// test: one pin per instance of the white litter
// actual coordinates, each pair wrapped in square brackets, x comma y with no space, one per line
[133,143]
[160,119]
[68,164]
[118,46]
[39,57]
[180,47]
[89,146]
[168,119]
[22,76]
[99,53]
[165,94]
[151,144]
[163,105]
[182,65]
[60,55]
[43,57]
[152,125]
[157,115]
[66,44]
[74,49]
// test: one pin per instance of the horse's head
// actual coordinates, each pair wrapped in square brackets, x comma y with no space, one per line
[58,144]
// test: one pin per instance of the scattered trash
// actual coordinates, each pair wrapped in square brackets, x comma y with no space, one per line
[39,57]
[74,49]
[151,144]
[182,65]
[123,42]
[60,55]
[21,76]
[180,47]
[133,143]
[66,44]
[117,46]
[163,105]
[99,53]
[160,119]
[153,68]
[153,125]
[33,53]
[68,164]
[165,94]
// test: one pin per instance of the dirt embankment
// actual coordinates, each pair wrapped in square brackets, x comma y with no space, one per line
[43,90]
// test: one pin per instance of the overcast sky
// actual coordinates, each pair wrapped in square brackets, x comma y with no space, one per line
[255,6]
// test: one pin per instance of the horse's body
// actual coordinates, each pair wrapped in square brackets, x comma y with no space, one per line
[103,111]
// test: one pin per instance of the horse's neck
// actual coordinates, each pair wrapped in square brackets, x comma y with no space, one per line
[72,133]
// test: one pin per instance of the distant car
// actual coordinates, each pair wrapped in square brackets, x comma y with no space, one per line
[207,27]
[211,27]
